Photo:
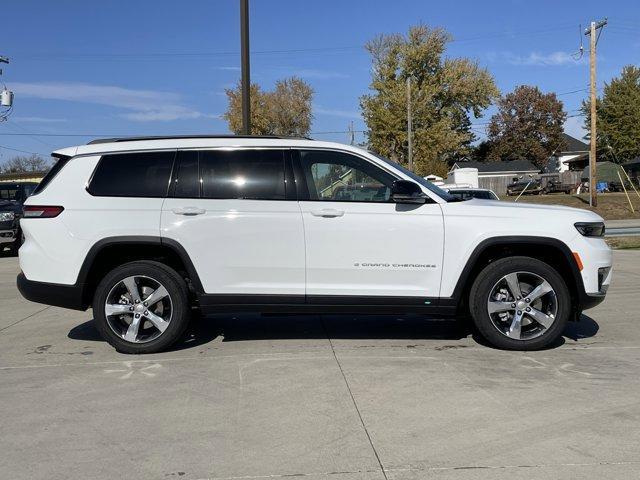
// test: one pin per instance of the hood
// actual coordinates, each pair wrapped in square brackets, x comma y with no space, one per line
[504,208]
[8,205]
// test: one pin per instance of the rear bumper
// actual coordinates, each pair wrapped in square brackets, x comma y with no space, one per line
[66,296]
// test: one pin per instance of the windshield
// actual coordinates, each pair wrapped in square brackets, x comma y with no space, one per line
[469,194]
[418,179]
[8,192]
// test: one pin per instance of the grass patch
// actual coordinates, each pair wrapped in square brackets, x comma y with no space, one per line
[611,206]
[624,243]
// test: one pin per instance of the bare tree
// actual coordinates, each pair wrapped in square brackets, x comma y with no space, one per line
[22,164]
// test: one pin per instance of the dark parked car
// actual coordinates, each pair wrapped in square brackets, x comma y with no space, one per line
[469,193]
[530,187]
[12,196]
[556,186]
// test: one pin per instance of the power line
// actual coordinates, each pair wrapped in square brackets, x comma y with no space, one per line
[22,151]
[339,49]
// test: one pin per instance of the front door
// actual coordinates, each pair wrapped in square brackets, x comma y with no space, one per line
[358,242]
[230,211]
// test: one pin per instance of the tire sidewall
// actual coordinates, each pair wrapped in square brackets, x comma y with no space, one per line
[485,282]
[179,299]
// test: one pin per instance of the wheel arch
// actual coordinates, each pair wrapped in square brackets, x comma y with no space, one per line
[549,250]
[110,252]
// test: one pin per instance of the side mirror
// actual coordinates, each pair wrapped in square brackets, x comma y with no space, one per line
[404,191]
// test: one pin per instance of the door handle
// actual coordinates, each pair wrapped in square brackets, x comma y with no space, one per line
[327,213]
[189,211]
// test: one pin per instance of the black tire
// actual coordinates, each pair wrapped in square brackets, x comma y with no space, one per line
[177,293]
[483,287]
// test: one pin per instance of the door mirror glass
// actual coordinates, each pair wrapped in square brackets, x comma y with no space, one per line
[404,191]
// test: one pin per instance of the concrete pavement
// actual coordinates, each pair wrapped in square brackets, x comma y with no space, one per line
[323,397]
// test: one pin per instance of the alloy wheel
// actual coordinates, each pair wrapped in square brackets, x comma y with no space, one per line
[522,305]
[138,309]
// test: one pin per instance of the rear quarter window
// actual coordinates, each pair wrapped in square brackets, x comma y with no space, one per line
[142,174]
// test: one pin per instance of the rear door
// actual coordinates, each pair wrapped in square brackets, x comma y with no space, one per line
[358,242]
[243,231]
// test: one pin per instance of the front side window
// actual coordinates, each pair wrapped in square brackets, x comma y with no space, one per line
[144,174]
[340,177]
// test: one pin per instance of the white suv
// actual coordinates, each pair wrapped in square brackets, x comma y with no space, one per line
[147,229]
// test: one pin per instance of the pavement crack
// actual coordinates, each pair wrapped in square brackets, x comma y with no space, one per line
[353,399]
[25,318]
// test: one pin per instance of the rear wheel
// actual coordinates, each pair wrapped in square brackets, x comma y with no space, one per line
[141,307]
[520,303]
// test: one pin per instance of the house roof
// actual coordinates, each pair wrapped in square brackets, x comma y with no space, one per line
[572,144]
[499,167]
[632,163]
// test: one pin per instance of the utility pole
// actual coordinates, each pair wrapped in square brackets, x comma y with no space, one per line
[246,77]
[409,126]
[593,194]
[6,96]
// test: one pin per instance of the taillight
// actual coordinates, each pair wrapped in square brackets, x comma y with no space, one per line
[38,211]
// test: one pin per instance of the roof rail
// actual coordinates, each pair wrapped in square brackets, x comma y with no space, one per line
[178,137]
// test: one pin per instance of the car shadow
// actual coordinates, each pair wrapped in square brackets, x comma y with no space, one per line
[256,327]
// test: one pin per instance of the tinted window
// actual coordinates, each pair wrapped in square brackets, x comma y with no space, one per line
[340,177]
[53,171]
[28,190]
[187,180]
[132,175]
[247,174]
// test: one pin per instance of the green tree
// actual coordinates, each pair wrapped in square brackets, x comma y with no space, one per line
[618,117]
[284,111]
[444,93]
[528,124]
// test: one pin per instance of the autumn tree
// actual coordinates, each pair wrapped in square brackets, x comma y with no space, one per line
[618,117]
[23,164]
[528,124]
[444,93]
[284,111]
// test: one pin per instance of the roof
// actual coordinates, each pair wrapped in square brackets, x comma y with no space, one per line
[572,144]
[193,141]
[579,158]
[21,177]
[632,163]
[499,167]
[179,137]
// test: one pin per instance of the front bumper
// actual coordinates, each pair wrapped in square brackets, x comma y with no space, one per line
[7,236]
[55,294]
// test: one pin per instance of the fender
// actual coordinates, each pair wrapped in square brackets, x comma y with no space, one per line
[176,247]
[517,240]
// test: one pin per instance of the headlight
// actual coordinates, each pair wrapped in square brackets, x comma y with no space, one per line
[590,229]
[7,216]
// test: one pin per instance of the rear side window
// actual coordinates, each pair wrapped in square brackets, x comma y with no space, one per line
[144,174]
[231,174]
[53,171]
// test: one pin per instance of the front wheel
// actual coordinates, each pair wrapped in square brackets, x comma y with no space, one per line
[141,307]
[520,303]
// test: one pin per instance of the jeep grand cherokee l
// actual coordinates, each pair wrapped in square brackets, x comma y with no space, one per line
[146,229]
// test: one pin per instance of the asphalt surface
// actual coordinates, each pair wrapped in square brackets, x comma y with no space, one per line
[320,397]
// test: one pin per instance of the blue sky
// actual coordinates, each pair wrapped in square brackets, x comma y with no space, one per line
[158,67]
